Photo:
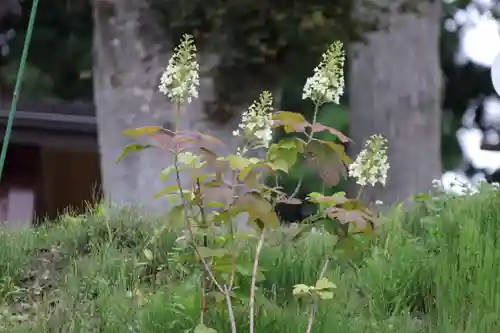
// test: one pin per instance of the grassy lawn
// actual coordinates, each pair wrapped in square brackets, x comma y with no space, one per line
[436,269]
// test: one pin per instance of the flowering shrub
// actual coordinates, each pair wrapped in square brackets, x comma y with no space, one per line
[208,223]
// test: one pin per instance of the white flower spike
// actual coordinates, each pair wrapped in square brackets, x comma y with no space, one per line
[371,165]
[256,123]
[327,83]
[180,81]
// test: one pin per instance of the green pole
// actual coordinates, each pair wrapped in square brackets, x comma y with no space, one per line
[17,89]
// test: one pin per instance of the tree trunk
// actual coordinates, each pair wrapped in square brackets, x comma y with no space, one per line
[395,89]
[130,53]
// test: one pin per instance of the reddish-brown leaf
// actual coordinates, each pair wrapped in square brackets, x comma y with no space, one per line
[326,162]
[318,127]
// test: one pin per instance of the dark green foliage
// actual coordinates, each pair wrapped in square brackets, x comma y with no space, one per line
[60,58]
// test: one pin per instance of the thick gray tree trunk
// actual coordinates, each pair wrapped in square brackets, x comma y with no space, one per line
[395,89]
[130,53]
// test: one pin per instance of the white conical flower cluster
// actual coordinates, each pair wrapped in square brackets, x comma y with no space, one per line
[180,80]
[327,83]
[256,122]
[371,165]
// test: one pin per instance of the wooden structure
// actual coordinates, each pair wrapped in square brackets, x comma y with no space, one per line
[52,162]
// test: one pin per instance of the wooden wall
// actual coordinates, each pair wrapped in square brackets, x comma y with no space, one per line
[43,182]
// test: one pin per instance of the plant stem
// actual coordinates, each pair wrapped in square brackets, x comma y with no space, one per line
[254,281]
[314,304]
[232,320]
[203,279]
[186,208]
[359,193]
[231,232]
[308,141]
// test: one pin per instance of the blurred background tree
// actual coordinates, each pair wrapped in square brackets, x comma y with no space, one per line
[274,40]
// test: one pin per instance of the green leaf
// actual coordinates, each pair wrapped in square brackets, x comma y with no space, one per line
[349,246]
[147,130]
[305,229]
[282,158]
[278,165]
[148,254]
[245,172]
[325,294]
[291,121]
[288,143]
[301,289]
[325,162]
[237,162]
[217,296]
[246,270]
[165,173]
[223,264]
[207,252]
[168,190]
[258,208]
[187,158]
[176,215]
[324,284]
[133,148]
[340,150]
[331,200]
[200,328]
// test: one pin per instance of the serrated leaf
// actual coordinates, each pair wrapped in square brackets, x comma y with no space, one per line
[291,121]
[237,162]
[276,165]
[328,164]
[324,283]
[246,270]
[361,220]
[200,328]
[258,208]
[133,148]
[325,294]
[330,200]
[207,252]
[217,296]
[168,190]
[289,143]
[289,201]
[280,158]
[301,289]
[139,131]
[318,127]
[350,247]
[245,172]
[340,150]
[165,173]
[176,216]
[148,254]
[187,158]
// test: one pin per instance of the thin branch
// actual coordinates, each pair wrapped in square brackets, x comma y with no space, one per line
[310,136]
[254,281]
[232,320]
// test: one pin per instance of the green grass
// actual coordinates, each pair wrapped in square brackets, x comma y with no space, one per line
[435,269]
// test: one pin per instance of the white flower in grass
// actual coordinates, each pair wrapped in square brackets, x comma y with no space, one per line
[371,165]
[180,80]
[256,123]
[327,83]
